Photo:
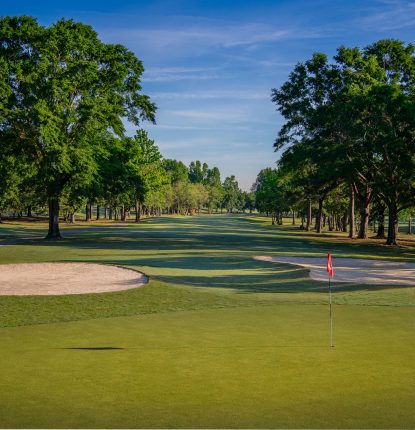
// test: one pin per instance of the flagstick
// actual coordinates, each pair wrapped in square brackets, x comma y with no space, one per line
[331,316]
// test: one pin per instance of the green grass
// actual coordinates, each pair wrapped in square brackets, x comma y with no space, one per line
[216,339]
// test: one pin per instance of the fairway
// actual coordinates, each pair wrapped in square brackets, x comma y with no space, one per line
[215,339]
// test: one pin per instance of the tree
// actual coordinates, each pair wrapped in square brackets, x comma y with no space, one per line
[304,101]
[197,172]
[61,88]
[146,170]
[381,121]
[353,121]
[175,169]
[9,180]
[231,193]
[271,191]
[214,188]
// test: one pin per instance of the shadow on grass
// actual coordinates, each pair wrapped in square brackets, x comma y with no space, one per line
[190,250]
[96,348]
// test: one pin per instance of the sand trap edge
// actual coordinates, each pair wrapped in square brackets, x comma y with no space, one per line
[67,278]
[352,270]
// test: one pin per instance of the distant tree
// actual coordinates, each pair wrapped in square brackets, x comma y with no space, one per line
[271,193]
[146,171]
[176,170]
[231,193]
[197,172]
[212,177]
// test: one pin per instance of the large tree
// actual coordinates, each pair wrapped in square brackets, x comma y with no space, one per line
[380,121]
[354,121]
[60,88]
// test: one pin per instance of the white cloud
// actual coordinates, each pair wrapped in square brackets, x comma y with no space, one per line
[390,15]
[220,115]
[199,37]
[241,94]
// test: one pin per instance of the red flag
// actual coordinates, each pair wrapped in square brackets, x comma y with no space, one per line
[330,268]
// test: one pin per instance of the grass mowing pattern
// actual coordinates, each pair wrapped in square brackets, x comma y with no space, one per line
[200,349]
[258,367]
[194,263]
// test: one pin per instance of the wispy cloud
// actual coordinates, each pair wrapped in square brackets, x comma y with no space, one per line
[202,37]
[241,94]
[219,115]
[169,74]
[389,15]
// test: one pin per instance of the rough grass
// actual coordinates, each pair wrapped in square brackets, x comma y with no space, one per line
[216,339]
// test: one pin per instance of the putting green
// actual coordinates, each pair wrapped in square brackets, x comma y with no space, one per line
[262,367]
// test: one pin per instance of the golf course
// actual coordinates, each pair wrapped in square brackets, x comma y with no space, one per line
[207,214]
[215,339]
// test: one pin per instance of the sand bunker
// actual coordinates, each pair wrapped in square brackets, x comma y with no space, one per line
[356,270]
[42,279]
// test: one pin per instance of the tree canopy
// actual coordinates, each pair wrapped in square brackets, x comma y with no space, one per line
[61,88]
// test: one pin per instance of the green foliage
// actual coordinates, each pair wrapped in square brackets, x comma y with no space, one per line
[175,169]
[61,89]
[271,192]
[197,172]
[353,121]
[231,193]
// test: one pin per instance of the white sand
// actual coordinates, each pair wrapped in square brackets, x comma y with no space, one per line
[66,278]
[356,270]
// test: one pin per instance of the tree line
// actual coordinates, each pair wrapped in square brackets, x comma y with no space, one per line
[65,98]
[348,141]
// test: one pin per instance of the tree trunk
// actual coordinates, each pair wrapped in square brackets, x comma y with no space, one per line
[137,211]
[293,217]
[319,216]
[1,221]
[29,211]
[410,225]
[54,232]
[364,200]
[330,220]
[381,221]
[87,213]
[72,218]
[344,223]
[309,214]
[98,212]
[381,231]
[123,213]
[351,213]
[364,222]
[392,225]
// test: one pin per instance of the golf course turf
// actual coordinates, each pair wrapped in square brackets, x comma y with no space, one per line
[215,339]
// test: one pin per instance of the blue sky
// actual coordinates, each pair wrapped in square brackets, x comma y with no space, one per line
[210,65]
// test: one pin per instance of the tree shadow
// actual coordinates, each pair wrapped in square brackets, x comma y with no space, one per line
[95,348]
